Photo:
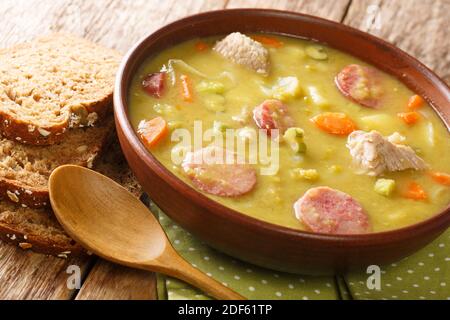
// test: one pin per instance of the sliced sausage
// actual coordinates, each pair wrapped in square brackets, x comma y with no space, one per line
[360,84]
[154,84]
[326,210]
[216,171]
[272,114]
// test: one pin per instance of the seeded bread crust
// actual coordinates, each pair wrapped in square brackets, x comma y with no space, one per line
[38,229]
[25,169]
[52,84]
[35,229]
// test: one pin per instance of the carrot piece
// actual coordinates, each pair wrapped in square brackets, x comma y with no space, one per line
[415,102]
[335,123]
[409,118]
[269,41]
[441,177]
[415,192]
[152,131]
[201,46]
[186,88]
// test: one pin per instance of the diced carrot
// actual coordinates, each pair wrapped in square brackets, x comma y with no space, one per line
[268,41]
[335,123]
[152,131]
[441,177]
[409,118]
[415,192]
[415,102]
[186,88]
[201,46]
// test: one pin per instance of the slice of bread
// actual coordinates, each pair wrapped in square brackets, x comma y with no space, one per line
[38,229]
[52,84]
[35,229]
[25,169]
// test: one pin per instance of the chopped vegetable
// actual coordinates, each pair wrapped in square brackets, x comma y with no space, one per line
[286,88]
[210,87]
[385,187]
[294,137]
[163,109]
[409,117]
[441,178]
[379,122]
[174,124]
[334,123]
[220,126]
[430,134]
[316,52]
[152,131]
[268,41]
[415,192]
[214,102]
[317,98]
[186,88]
[201,46]
[415,102]
[306,174]
[335,168]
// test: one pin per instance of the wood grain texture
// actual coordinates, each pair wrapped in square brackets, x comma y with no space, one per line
[419,27]
[332,10]
[27,275]
[116,24]
[108,281]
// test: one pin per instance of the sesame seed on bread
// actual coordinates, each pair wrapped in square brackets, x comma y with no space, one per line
[38,229]
[25,169]
[52,84]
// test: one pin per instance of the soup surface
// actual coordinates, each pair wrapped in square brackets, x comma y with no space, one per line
[316,96]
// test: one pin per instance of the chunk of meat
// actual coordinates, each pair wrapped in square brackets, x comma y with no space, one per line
[245,51]
[360,84]
[375,154]
[272,114]
[217,171]
[154,84]
[327,210]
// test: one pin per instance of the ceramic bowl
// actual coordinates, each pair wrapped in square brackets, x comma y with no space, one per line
[247,238]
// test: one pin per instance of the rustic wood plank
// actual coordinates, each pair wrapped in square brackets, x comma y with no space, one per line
[420,27]
[108,281]
[333,10]
[116,24]
[27,275]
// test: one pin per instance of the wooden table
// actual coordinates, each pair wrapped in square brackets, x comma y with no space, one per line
[419,27]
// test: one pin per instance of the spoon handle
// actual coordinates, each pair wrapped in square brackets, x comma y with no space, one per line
[179,268]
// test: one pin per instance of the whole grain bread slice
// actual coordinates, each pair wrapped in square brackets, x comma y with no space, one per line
[25,169]
[38,229]
[52,84]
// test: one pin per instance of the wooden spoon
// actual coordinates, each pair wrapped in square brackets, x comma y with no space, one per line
[109,221]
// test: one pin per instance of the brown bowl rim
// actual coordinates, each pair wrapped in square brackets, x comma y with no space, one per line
[223,212]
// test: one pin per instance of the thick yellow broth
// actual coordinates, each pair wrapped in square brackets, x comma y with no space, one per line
[273,197]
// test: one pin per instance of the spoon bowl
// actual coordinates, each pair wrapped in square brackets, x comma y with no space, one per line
[109,221]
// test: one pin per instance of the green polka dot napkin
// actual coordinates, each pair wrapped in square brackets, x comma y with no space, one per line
[421,276]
